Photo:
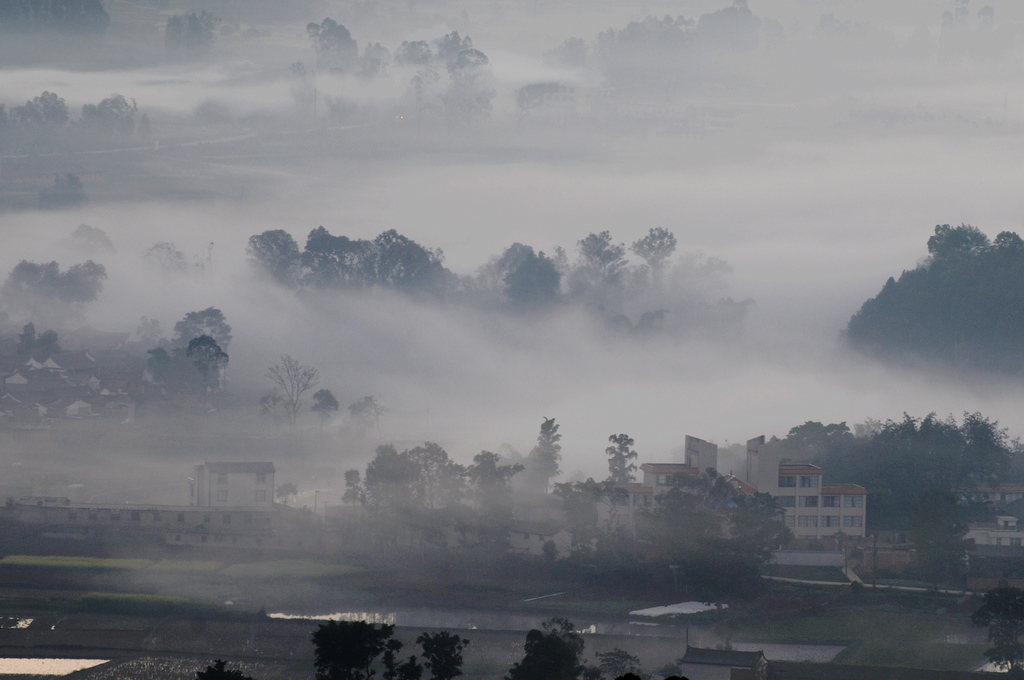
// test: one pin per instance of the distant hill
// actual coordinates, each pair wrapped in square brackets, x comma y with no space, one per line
[963,306]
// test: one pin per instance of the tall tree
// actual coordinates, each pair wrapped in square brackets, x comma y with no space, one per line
[277,254]
[208,358]
[938,533]
[210,321]
[442,654]
[325,405]
[553,653]
[1002,612]
[293,380]
[333,44]
[620,459]
[346,650]
[656,248]
[542,463]
[368,412]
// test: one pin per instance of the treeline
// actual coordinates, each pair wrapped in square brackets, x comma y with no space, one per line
[66,16]
[659,291]
[44,124]
[901,461]
[719,536]
[964,306]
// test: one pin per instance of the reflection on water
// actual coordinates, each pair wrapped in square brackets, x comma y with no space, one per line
[9,622]
[46,666]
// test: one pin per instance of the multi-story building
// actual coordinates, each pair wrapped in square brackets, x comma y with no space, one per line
[813,509]
[232,485]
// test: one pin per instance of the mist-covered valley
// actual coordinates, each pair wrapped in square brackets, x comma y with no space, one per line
[716,218]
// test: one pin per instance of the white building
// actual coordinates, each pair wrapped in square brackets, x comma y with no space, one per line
[233,485]
[813,509]
[1005,531]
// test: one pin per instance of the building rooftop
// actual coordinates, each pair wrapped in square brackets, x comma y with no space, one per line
[723,657]
[848,489]
[668,468]
[801,468]
[253,468]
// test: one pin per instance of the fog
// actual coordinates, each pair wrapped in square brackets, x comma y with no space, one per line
[836,156]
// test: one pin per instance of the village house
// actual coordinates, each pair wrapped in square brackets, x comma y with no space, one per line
[232,485]
[723,664]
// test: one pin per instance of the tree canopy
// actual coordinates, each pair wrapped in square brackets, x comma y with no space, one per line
[963,306]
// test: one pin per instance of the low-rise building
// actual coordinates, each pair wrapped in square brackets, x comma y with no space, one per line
[723,664]
[232,485]
[1004,531]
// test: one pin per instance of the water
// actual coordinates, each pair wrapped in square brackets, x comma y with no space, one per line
[46,666]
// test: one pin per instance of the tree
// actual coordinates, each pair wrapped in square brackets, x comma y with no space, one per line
[938,533]
[169,259]
[294,380]
[286,491]
[413,53]
[46,343]
[599,267]
[277,254]
[65,191]
[542,463]
[333,44]
[620,457]
[551,654]
[442,654]
[43,291]
[1002,611]
[346,650]
[190,35]
[209,321]
[67,16]
[325,405]
[618,662]
[368,413]
[112,117]
[394,669]
[208,358]
[656,249]
[533,281]
[218,671]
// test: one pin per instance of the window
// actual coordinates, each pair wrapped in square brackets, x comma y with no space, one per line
[222,478]
[807,521]
[809,481]
[808,501]
[787,481]
[227,518]
[177,537]
[662,480]
[261,496]
[1015,542]
[222,495]
[206,519]
[831,501]
[72,515]
[181,517]
[830,521]
[787,501]
[247,518]
[156,516]
[999,541]
[789,520]
[94,515]
[261,479]
[136,515]
[853,501]
[853,521]
[115,515]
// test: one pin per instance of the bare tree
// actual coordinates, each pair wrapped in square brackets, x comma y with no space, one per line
[294,380]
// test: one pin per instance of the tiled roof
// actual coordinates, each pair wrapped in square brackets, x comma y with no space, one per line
[748,489]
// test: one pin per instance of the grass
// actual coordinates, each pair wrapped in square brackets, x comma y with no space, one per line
[828,574]
[288,569]
[186,566]
[122,603]
[874,637]
[63,562]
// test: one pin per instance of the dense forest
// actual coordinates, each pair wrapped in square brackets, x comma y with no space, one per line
[964,305]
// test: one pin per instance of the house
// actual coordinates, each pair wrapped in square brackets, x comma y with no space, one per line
[1004,531]
[620,511]
[238,485]
[998,496]
[723,664]
[813,509]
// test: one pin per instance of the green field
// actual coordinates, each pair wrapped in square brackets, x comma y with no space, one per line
[288,569]
[62,562]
